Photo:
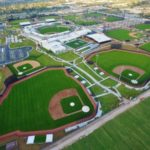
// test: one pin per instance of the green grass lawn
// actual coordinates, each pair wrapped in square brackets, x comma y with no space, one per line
[109,82]
[128,131]
[146,47]
[23,44]
[113,19]
[143,26]
[76,44]
[127,92]
[119,34]
[66,104]
[69,56]
[26,107]
[40,139]
[16,23]
[24,67]
[2,77]
[96,90]
[109,60]
[53,29]
[108,102]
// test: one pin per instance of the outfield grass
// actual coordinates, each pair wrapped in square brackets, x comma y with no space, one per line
[130,130]
[24,67]
[66,102]
[109,60]
[26,107]
[146,47]
[53,29]
[119,34]
[108,102]
[76,44]
[143,26]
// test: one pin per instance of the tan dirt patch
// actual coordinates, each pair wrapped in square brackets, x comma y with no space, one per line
[133,34]
[34,64]
[119,69]
[55,108]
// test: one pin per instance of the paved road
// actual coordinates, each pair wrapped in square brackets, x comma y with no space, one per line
[73,137]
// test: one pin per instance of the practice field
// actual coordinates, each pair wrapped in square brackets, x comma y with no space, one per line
[130,130]
[76,44]
[131,67]
[119,34]
[27,107]
[146,47]
[143,26]
[53,29]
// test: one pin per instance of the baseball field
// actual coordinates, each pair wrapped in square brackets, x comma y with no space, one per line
[53,29]
[119,34]
[130,67]
[130,130]
[47,100]
[146,47]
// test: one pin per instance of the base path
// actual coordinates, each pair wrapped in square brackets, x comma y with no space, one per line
[75,136]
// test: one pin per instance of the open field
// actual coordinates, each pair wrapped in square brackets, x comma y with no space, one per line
[16,22]
[143,26]
[69,56]
[53,29]
[75,44]
[128,92]
[108,102]
[135,62]
[130,130]
[119,34]
[23,44]
[146,47]
[113,18]
[80,20]
[29,110]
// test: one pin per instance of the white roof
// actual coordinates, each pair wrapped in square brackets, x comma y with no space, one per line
[50,20]
[55,46]
[30,139]
[99,37]
[49,138]
[25,23]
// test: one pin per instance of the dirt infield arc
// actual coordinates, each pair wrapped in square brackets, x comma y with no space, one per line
[55,107]
[39,132]
[119,69]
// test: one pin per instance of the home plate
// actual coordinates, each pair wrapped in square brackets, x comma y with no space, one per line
[96,68]
[134,81]
[72,104]
[86,109]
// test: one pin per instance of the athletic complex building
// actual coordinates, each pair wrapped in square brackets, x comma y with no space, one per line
[57,42]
